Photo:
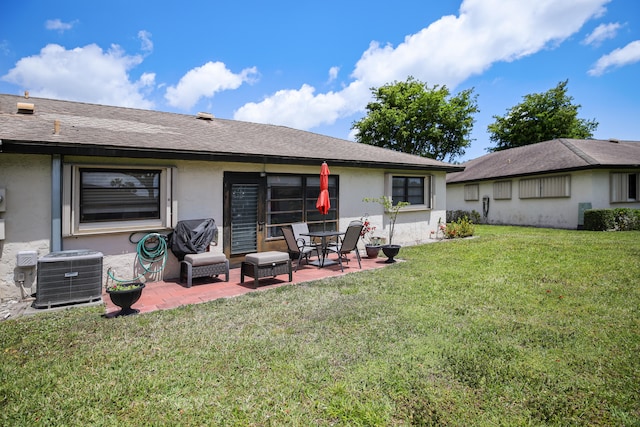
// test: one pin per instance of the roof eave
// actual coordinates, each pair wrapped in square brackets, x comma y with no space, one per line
[546,172]
[38,147]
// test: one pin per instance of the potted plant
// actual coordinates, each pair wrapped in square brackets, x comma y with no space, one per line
[391,210]
[371,242]
[124,295]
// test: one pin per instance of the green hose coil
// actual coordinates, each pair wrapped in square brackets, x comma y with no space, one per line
[151,250]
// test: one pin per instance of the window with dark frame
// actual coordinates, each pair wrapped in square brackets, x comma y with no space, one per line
[624,187]
[633,187]
[408,189]
[119,194]
[292,198]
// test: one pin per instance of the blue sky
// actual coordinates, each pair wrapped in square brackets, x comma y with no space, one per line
[310,65]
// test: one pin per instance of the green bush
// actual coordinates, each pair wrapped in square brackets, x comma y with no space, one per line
[627,219]
[463,227]
[454,216]
[618,219]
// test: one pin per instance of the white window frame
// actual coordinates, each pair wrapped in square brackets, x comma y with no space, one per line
[429,190]
[471,192]
[548,187]
[502,190]
[71,225]
[619,187]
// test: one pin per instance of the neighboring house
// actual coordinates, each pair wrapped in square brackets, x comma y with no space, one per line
[84,176]
[548,184]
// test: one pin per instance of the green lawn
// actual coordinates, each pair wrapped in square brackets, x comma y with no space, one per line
[517,326]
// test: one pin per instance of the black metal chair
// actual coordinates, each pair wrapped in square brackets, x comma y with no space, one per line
[348,243]
[298,247]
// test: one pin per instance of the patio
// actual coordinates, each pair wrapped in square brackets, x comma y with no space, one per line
[169,294]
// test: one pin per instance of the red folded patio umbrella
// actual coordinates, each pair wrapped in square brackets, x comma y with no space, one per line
[323,204]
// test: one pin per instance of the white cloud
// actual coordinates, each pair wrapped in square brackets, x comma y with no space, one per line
[302,108]
[601,33]
[296,108]
[627,55]
[205,81]
[4,47]
[448,51]
[486,31]
[147,80]
[145,40]
[58,25]
[86,74]
[89,74]
[333,73]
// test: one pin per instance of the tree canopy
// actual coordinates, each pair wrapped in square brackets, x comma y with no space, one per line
[413,118]
[540,117]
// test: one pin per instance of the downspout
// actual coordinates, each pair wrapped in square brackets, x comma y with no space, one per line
[56,203]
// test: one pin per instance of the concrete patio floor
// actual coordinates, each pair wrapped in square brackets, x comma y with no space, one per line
[169,294]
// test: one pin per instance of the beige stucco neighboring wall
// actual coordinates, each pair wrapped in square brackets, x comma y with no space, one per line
[27,218]
[198,193]
[413,225]
[591,186]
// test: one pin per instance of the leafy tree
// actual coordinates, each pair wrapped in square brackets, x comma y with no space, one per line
[413,118]
[540,117]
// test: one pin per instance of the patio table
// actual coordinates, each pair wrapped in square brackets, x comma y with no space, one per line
[323,236]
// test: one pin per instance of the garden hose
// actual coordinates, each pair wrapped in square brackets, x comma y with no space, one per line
[150,249]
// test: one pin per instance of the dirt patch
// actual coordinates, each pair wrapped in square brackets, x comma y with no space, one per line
[12,308]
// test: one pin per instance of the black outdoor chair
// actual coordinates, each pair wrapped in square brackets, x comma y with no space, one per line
[348,243]
[298,247]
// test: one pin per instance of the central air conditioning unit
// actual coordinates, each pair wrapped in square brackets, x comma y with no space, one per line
[69,277]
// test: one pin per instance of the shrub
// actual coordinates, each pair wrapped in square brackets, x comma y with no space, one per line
[454,216]
[618,219]
[463,227]
[626,219]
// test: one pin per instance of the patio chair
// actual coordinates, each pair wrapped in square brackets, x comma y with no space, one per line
[300,228]
[348,243]
[298,247]
[190,242]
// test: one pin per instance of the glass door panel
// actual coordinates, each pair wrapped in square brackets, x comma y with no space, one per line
[244,218]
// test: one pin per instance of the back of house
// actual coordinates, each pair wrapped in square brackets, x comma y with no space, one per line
[85,177]
[548,184]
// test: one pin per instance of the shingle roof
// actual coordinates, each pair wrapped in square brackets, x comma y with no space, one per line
[550,156]
[100,130]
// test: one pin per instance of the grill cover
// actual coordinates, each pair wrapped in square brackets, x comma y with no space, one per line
[192,236]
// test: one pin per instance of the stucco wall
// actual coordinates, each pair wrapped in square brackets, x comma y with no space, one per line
[413,226]
[27,218]
[563,212]
[199,194]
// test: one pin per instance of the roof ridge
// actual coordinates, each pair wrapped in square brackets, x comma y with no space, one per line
[578,152]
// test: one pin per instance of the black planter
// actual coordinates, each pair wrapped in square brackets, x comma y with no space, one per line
[126,298]
[372,251]
[391,251]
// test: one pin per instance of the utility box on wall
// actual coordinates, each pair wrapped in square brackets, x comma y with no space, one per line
[27,259]
[69,277]
[581,208]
